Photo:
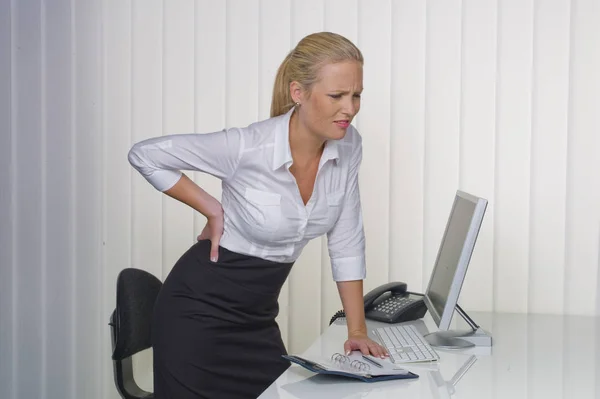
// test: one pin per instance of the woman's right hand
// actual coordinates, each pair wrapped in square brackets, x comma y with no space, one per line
[213,231]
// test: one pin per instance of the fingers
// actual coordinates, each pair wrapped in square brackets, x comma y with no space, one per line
[347,348]
[366,347]
[214,249]
[378,350]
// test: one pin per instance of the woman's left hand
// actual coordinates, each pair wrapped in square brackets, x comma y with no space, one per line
[366,345]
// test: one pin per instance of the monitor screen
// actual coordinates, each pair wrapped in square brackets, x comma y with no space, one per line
[453,257]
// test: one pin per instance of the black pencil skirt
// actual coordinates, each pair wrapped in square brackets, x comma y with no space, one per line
[214,333]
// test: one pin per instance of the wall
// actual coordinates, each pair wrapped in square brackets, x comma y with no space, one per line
[498,98]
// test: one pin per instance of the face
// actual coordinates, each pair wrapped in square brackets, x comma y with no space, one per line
[333,101]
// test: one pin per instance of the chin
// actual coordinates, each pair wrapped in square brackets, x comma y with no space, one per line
[337,135]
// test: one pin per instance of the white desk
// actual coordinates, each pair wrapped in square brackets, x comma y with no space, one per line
[533,356]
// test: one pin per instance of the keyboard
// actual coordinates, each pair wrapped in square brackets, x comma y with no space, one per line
[405,344]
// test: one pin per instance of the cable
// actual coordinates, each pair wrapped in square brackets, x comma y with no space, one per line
[338,314]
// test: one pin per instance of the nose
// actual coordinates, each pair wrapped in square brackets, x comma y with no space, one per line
[351,106]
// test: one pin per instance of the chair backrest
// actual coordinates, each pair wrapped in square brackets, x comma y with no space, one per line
[131,324]
[136,294]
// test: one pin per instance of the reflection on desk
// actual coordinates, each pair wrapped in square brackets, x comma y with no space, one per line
[441,388]
[534,356]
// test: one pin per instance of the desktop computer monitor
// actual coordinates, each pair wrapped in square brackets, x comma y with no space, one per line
[445,283]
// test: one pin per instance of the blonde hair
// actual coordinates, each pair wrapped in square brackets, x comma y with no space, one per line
[303,63]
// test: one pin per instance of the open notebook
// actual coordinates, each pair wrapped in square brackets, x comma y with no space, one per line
[353,366]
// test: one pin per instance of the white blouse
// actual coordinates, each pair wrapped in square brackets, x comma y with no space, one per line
[264,215]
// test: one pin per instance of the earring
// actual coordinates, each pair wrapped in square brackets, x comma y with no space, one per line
[297,104]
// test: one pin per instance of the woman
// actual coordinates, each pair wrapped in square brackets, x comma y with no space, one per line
[286,180]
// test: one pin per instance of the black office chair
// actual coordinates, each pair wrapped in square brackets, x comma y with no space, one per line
[130,327]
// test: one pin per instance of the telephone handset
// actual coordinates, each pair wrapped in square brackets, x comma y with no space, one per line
[392,303]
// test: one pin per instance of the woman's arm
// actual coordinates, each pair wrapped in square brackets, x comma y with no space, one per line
[351,294]
[188,192]
[346,241]
[160,161]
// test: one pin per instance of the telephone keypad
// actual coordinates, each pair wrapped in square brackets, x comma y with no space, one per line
[393,304]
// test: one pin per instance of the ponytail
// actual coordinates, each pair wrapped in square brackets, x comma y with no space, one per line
[282,101]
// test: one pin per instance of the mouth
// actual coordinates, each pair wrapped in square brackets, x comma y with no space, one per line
[342,123]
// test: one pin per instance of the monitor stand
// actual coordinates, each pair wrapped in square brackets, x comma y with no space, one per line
[454,339]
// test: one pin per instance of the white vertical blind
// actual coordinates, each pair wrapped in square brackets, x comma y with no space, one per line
[477,132]
[513,148]
[498,98]
[29,210]
[583,164]
[7,207]
[549,104]
[374,40]
[407,142]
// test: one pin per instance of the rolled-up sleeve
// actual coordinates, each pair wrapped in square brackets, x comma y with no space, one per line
[160,160]
[346,240]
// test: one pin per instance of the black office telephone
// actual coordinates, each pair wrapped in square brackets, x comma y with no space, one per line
[392,303]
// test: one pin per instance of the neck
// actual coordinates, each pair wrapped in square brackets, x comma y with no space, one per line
[305,146]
